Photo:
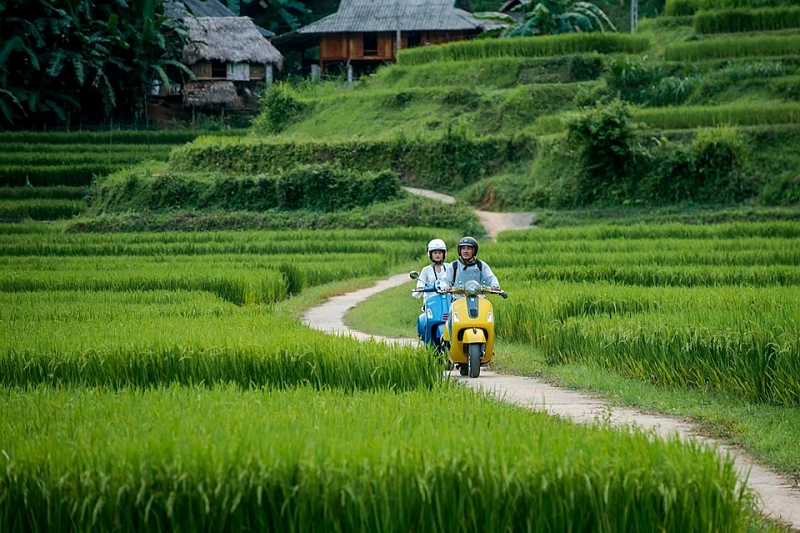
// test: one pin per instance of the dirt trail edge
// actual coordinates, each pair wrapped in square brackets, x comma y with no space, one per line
[779,498]
[493,222]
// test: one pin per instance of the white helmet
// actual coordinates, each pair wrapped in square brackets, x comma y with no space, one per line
[437,244]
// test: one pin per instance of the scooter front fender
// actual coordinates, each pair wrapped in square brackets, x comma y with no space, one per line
[473,336]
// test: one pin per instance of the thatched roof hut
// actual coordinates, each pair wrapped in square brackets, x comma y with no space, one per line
[228,39]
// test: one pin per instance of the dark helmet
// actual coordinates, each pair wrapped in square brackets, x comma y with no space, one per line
[468,241]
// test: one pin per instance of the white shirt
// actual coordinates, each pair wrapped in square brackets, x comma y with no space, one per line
[428,276]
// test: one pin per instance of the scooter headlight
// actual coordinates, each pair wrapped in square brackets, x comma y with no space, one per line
[472,287]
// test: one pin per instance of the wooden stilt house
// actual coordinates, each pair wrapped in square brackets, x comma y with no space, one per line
[366,33]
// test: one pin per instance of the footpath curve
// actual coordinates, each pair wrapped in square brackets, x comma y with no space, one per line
[779,497]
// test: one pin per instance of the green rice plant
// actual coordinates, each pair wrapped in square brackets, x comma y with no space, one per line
[665,252]
[604,43]
[41,209]
[70,157]
[55,193]
[67,175]
[245,279]
[394,243]
[108,137]
[727,234]
[221,459]
[760,46]
[746,19]
[151,151]
[687,8]
[135,339]
[738,340]
[242,287]
[725,115]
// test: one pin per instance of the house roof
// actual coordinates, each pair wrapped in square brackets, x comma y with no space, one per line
[232,39]
[393,15]
[388,16]
[182,9]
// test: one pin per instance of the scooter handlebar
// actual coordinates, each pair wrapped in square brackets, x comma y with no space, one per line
[483,290]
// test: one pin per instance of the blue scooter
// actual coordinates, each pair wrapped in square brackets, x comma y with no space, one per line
[435,311]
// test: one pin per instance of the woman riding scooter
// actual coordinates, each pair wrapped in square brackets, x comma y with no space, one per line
[437,252]
[431,282]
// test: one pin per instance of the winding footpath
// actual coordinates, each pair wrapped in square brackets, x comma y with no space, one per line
[779,498]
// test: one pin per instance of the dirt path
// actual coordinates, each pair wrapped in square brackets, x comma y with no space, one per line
[493,222]
[780,499]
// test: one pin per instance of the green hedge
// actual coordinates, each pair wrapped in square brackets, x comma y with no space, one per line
[316,188]
[442,164]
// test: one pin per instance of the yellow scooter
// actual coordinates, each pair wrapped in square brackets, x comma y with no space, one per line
[469,333]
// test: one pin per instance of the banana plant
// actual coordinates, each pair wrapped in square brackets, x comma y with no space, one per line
[549,17]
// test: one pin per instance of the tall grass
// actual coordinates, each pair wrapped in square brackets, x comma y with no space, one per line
[709,307]
[188,458]
[154,339]
[605,43]
[760,46]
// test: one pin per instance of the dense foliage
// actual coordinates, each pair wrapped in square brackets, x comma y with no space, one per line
[96,58]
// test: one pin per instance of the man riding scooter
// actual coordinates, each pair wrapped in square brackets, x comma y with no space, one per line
[468,266]
[469,333]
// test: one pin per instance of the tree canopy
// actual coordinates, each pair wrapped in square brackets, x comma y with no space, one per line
[98,57]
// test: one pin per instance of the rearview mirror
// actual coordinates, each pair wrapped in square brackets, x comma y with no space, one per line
[413,274]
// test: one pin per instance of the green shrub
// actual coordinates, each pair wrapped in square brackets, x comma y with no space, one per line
[603,138]
[281,107]
[641,81]
[718,158]
[784,190]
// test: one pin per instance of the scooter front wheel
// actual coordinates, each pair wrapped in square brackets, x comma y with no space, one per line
[474,360]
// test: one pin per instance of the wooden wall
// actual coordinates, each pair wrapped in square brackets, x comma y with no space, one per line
[343,46]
